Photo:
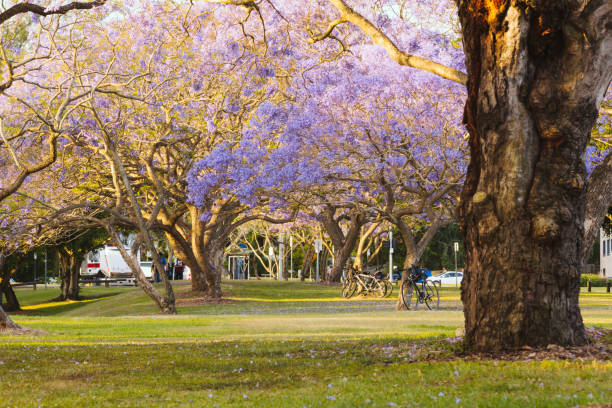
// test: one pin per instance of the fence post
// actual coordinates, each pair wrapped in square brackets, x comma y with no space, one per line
[589,285]
[608,286]
[106,284]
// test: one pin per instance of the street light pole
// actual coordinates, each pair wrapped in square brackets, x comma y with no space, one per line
[318,248]
[390,255]
[456,250]
[281,256]
[35,257]
[45,269]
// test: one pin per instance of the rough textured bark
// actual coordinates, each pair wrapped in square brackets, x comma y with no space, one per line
[75,272]
[216,251]
[342,255]
[64,264]
[70,264]
[183,251]
[5,320]
[537,73]
[12,303]
[344,243]
[198,230]
[209,241]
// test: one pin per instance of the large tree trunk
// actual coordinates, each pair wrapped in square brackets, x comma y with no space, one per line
[412,257]
[6,322]
[216,252]
[64,263]
[12,303]
[344,243]
[183,251]
[211,245]
[537,73]
[70,265]
[342,255]
[75,272]
[198,232]
[308,261]
[254,267]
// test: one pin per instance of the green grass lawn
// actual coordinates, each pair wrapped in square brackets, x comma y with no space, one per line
[277,344]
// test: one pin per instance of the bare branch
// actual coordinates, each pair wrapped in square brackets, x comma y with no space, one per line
[327,32]
[25,7]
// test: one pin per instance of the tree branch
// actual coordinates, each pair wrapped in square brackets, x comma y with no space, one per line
[402,58]
[25,7]
[327,32]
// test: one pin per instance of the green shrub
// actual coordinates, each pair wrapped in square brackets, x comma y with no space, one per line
[596,280]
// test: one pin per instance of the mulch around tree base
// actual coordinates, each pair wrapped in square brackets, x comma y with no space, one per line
[552,352]
[203,301]
[597,350]
[451,349]
[193,298]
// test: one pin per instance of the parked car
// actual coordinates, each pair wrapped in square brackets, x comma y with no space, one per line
[447,278]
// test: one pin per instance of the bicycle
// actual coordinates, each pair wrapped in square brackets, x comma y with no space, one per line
[388,284]
[411,293]
[349,285]
[364,282]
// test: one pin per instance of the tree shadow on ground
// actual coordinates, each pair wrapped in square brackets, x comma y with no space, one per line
[53,307]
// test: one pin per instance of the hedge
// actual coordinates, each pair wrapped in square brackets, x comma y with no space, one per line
[596,280]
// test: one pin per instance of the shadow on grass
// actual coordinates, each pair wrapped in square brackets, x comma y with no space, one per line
[53,307]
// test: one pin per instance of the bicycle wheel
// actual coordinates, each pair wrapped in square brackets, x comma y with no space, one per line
[409,294]
[388,288]
[349,289]
[378,288]
[346,276]
[432,297]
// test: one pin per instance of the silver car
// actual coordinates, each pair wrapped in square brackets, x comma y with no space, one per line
[447,278]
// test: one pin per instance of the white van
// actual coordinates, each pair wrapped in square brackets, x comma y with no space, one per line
[107,262]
